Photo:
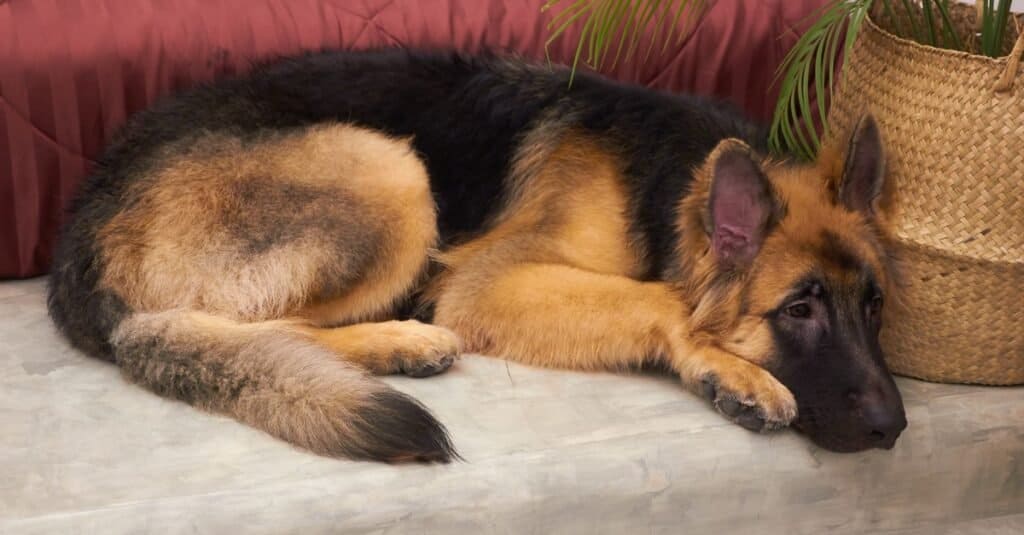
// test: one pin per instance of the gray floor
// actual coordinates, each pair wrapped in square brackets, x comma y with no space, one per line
[547,452]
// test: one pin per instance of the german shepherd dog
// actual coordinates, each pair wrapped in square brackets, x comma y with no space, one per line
[256,248]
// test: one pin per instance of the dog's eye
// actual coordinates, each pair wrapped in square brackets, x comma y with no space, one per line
[875,306]
[799,310]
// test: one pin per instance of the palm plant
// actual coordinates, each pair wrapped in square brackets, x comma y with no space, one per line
[604,20]
[611,30]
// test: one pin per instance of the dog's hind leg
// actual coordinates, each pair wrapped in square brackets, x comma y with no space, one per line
[237,258]
[410,347]
[352,322]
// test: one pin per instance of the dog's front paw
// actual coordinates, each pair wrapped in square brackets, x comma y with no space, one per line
[750,396]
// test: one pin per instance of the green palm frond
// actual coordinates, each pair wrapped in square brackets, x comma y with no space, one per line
[613,29]
[808,72]
[812,60]
[993,26]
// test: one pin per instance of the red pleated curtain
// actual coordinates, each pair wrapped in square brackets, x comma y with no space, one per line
[72,71]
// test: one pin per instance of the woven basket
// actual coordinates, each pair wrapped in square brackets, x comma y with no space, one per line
[953,125]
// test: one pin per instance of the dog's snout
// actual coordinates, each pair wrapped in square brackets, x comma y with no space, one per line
[883,420]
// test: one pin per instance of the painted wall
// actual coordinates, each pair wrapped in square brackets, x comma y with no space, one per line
[1016,5]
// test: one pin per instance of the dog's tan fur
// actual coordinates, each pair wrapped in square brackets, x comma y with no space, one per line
[265,322]
[554,284]
[553,281]
[245,247]
[170,249]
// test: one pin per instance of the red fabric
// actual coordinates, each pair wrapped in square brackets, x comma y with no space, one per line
[71,71]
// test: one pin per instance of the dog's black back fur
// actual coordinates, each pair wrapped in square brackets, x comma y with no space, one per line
[466,113]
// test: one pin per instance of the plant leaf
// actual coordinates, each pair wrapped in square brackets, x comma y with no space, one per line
[620,24]
[577,9]
[947,25]
[918,36]
[929,21]
[813,56]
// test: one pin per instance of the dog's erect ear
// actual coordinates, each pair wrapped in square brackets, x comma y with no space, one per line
[864,171]
[742,206]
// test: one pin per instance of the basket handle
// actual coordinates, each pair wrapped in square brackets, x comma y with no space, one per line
[1005,82]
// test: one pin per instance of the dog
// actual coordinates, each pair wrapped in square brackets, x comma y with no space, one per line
[262,246]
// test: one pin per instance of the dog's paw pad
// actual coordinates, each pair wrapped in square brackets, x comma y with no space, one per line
[749,419]
[426,368]
[755,401]
[707,388]
[728,406]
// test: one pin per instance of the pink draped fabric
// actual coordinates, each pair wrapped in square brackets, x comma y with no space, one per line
[72,71]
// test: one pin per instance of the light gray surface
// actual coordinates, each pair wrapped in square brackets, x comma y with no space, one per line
[547,452]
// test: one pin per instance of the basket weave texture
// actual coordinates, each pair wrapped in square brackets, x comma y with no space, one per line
[955,158]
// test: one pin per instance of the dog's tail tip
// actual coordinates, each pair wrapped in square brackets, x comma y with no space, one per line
[399,429]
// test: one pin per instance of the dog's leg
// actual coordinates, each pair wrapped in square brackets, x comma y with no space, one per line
[742,391]
[410,347]
[559,316]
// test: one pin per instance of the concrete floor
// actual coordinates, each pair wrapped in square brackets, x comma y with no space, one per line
[546,452]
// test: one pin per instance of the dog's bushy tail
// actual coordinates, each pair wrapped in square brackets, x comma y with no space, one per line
[271,377]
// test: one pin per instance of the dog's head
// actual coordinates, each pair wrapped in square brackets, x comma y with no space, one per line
[790,270]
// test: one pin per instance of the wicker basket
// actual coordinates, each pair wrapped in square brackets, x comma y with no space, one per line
[953,124]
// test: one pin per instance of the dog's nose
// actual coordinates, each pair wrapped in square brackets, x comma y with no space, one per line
[883,422]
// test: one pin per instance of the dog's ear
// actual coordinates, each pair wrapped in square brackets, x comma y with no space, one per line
[742,205]
[863,178]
